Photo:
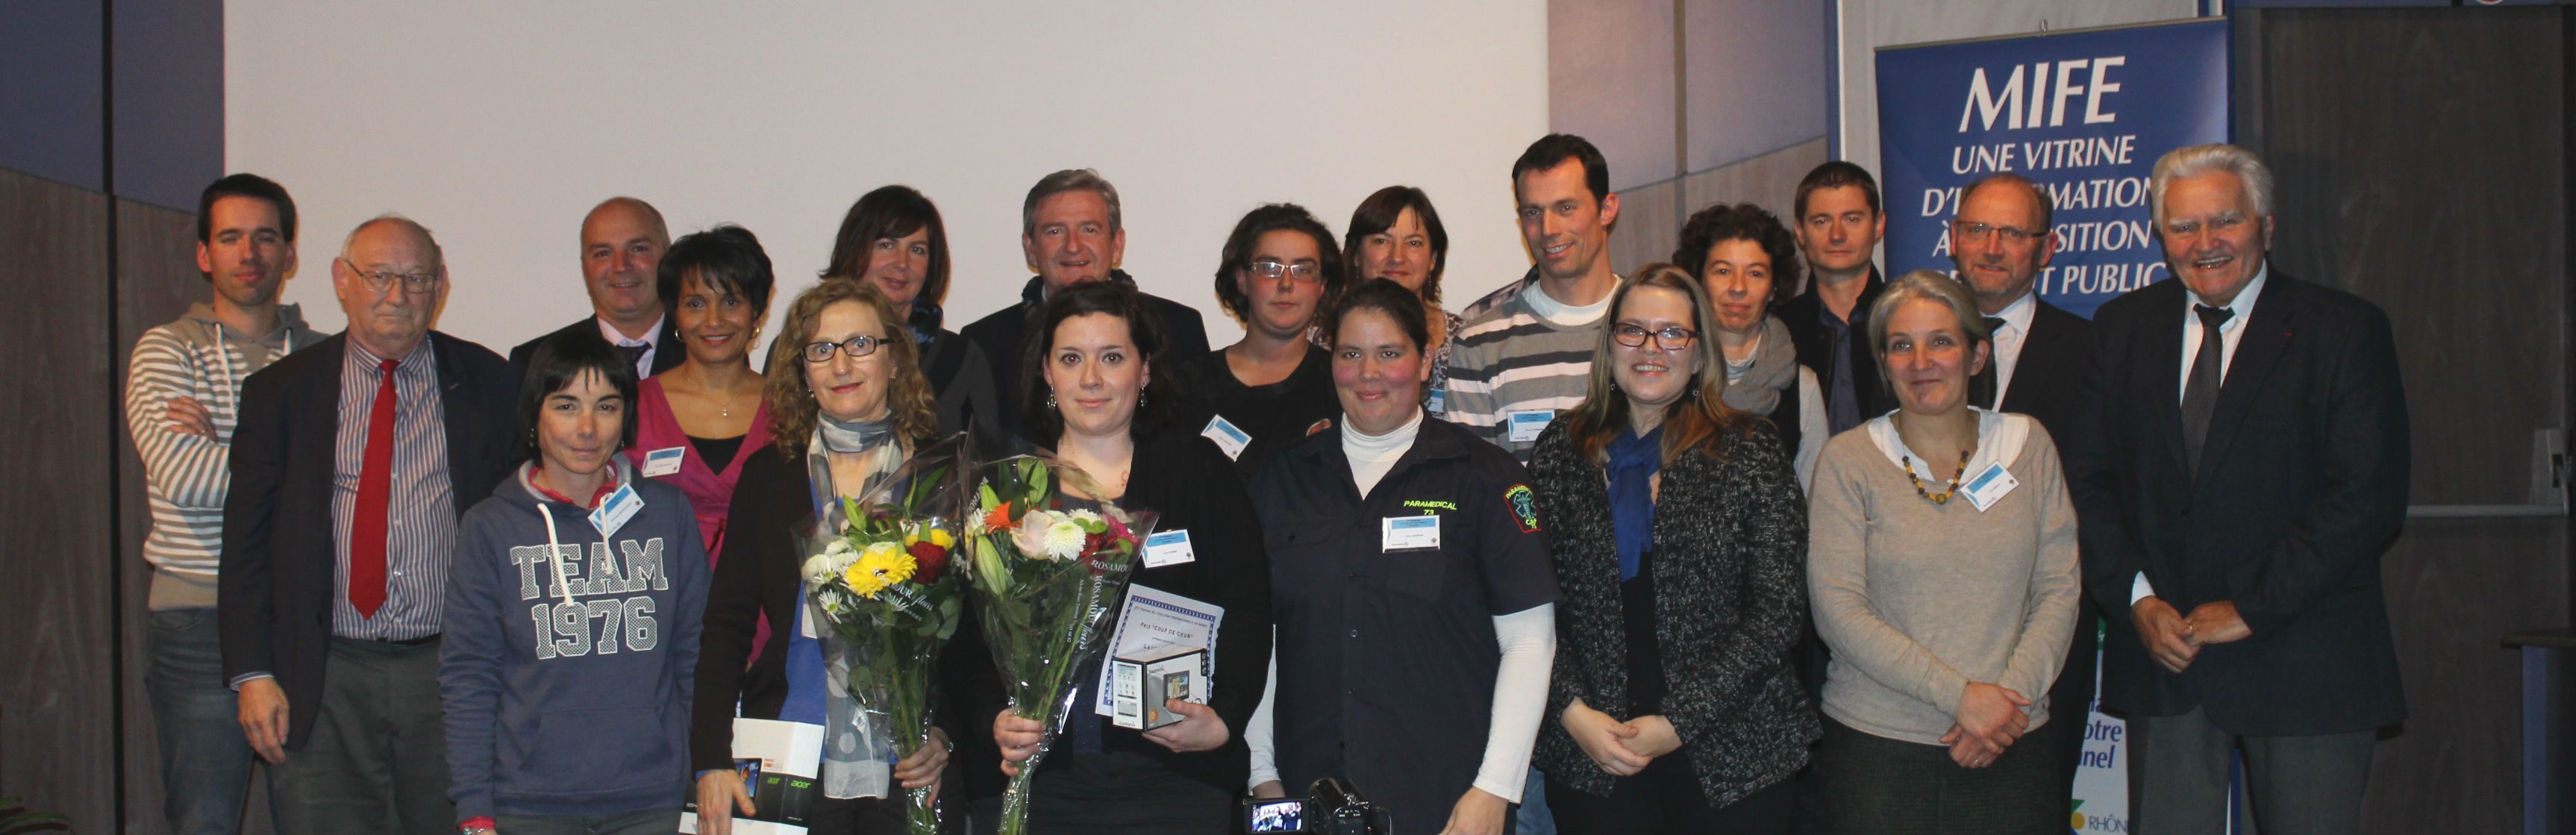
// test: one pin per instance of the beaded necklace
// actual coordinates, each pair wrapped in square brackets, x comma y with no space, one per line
[1944,498]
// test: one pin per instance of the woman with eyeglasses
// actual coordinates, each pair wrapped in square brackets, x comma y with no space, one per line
[1675,704]
[893,238]
[1273,388]
[696,424]
[1397,236]
[1942,566]
[1746,261]
[1099,390]
[1410,586]
[848,405]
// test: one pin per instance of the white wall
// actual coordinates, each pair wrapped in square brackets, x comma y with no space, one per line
[498,124]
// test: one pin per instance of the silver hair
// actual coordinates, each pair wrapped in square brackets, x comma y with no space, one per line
[1070,179]
[2195,160]
[1932,286]
[438,256]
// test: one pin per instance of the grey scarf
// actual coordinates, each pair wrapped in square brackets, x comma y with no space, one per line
[1775,369]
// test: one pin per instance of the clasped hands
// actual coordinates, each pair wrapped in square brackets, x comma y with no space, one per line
[1990,719]
[1620,748]
[1200,729]
[2173,639]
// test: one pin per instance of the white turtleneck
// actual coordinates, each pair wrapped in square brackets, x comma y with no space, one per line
[1372,456]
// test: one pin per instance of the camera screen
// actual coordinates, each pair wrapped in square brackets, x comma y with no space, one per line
[1279,816]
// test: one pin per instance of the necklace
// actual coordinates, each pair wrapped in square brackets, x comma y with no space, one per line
[1944,498]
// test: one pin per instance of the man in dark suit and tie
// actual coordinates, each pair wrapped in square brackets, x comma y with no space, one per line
[2000,241]
[1071,231]
[2240,462]
[622,240]
[351,463]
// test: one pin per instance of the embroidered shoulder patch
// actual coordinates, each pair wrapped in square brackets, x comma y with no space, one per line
[1524,507]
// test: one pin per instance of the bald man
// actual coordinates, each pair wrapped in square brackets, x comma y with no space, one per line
[351,463]
[622,240]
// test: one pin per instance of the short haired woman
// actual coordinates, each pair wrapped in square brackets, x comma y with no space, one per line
[1274,387]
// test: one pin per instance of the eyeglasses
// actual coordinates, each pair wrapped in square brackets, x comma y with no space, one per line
[1670,338]
[1980,231]
[1299,271]
[417,284]
[856,346]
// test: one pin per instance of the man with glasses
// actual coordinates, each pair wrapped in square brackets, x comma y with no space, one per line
[182,402]
[1071,232]
[622,240]
[1529,356]
[2001,240]
[350,467]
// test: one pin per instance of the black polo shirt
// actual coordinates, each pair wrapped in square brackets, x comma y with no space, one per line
[1387,658]
[1277,415]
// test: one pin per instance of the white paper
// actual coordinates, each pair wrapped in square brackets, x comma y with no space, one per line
[789,748]
[613,513]
[1409,533]
[1227,436]
[1524,426]
[664,461]
[1170,547]
[1989,487]
[1152,617]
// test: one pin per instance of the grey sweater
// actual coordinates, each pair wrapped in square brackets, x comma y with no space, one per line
[1918,599]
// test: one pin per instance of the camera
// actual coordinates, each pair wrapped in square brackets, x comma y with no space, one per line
[1332,806]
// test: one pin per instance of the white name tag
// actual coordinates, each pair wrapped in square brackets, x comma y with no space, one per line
[1436,404]
[1226,436]
[1523,427]
[1168,548]
[1989,486]
[621,506]
[664,461]
[1409,533]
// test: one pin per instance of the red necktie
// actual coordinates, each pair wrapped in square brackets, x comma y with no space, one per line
[375,492]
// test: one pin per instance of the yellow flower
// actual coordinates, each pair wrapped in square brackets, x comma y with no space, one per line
[882,564]
[942,538]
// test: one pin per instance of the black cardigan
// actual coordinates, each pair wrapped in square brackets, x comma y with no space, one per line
[1730,552]
[1187,480]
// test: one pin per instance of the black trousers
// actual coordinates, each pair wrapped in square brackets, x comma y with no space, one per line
[1665,799]
[1123,793]
[1871,784]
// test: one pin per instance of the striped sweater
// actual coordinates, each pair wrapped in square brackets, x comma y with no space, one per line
[187,475]
[1509,359]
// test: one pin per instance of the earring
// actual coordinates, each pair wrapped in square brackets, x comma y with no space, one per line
[1140,398]
[1050,398]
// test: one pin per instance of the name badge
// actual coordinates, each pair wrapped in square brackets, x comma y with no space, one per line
[1989,486]
[662,462]
[1168,548]
[1226,436]
[621,506]
[1409,533]
[1523,427]
[1437,405]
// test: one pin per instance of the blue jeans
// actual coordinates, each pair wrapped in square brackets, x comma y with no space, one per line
[1532,817]
[205,762]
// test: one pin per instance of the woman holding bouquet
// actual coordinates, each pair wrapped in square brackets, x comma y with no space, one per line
[1413,656]
[1101,389]
[847,403]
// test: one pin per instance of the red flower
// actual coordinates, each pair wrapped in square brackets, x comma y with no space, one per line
[927,559]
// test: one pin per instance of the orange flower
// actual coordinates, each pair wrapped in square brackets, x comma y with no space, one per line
[999,518]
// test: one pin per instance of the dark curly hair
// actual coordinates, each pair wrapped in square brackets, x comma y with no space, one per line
[1742,222]
[1239,246]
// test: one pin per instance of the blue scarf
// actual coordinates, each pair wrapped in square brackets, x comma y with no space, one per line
[1632,467]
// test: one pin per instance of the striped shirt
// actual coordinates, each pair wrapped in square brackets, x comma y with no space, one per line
[420,520]
[187,475]
[1509,359]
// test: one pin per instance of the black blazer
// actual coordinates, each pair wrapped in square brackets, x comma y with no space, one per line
[2302,484]
[1001,335]
[278,573]
[2046,383]
[1816,347]
[668,353]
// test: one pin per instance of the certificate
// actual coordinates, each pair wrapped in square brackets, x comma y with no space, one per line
[1152,617]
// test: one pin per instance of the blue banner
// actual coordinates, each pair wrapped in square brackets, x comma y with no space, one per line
[2084,114]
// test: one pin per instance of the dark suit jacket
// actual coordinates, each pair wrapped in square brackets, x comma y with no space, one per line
[2302,483]
[1001,334]
[1816,347]
[2047,381]
[668,353]
[277,581]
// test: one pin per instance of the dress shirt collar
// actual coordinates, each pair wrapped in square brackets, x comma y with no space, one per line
[652,335]
[2242,306]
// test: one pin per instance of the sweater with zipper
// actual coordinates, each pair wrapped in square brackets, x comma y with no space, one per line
[566,680]
[186,475]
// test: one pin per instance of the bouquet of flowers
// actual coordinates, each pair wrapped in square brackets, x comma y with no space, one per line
[1048,570]
[878,576]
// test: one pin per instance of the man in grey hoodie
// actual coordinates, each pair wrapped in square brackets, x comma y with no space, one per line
[181,398]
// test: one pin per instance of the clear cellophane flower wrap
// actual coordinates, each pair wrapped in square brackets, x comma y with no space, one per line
[881,579]
[1049,563]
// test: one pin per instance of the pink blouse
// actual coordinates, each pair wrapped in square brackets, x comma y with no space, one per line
[710,491]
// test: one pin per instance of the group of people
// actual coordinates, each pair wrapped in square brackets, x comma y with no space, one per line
[435,589]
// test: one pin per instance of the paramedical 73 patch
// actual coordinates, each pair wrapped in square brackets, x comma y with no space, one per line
[1524,507]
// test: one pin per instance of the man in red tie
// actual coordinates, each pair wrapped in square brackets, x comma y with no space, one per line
[350,465]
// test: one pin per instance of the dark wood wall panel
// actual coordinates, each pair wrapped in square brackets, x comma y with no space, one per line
[57,632]
[2420,157]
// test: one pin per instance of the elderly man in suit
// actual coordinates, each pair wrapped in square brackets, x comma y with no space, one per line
[622,240]
[2001,240]
[2239,465]
[351,464]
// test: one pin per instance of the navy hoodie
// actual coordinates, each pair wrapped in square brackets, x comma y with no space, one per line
[581,707]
